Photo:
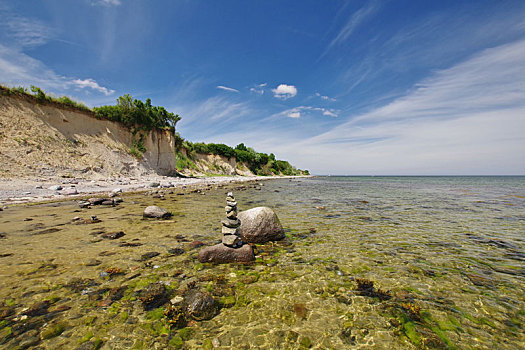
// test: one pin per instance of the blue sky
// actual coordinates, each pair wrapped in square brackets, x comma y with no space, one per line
[336,87]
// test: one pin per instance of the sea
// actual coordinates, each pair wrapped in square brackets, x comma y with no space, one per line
[405,262]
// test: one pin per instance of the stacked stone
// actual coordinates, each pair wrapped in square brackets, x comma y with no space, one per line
[230,225]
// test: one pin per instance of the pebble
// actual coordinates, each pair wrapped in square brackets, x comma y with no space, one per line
[177,300]
[55,188]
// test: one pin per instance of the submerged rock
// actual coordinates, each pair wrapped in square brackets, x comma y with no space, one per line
[176,251]
[221,254]
[156,212]
[149,255]
[154,296]
[199,305]
[259,225]
[38,309]
[96,201]
[113,235]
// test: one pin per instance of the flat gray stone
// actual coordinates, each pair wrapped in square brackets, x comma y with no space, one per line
[229,230]
[231,240]
[231,223]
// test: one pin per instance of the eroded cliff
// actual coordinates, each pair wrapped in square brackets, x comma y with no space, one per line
[43,139]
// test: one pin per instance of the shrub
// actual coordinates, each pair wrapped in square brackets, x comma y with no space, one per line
[137,114]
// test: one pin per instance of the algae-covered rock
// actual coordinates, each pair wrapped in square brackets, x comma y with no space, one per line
[260,225]
[154,295]
[199,305]
[53,330]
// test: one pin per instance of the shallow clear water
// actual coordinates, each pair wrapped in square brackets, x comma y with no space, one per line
[445,256]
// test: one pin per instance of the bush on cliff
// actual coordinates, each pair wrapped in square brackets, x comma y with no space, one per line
[137,114]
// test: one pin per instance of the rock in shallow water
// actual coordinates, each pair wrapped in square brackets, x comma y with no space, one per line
[199,305]
[259,225]
[156,212]
[113,235]
[154,296]
[221,254]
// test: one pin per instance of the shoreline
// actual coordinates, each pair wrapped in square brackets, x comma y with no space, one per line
[22,191]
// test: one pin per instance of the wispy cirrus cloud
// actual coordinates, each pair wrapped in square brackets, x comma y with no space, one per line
[258,89]
[466,119]
[353,22]
[284,91]
[202,119]
[107,2]
[20,69]
[225,88]
[298,112]
[21,31]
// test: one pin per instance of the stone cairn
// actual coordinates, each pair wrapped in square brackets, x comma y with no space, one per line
[230,225]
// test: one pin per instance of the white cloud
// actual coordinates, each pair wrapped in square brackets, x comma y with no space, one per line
[468,119]
[330,113]
[326,98]
[284,91]
[90,83]
[225,88]
[293,114]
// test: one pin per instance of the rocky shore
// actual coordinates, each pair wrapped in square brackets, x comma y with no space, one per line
[15,191]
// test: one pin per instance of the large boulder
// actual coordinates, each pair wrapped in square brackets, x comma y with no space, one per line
[260,225]
[221,254]
[156,212]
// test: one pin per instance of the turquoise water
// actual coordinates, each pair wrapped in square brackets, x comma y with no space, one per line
[369,262]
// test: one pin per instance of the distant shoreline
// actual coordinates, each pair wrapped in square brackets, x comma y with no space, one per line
[20,191]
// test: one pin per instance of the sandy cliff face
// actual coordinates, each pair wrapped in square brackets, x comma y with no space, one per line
[38,140]
[208,164]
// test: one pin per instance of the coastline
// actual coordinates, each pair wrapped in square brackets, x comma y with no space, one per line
[21,191]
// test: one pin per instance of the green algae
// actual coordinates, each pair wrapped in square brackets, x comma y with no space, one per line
[86,337]
[176,342]
[155,314]
[53,330]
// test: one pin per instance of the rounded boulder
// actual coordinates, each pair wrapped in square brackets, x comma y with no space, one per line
[156,212]
[260,225]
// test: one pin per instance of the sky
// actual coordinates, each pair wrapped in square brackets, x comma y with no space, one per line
[379,87]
